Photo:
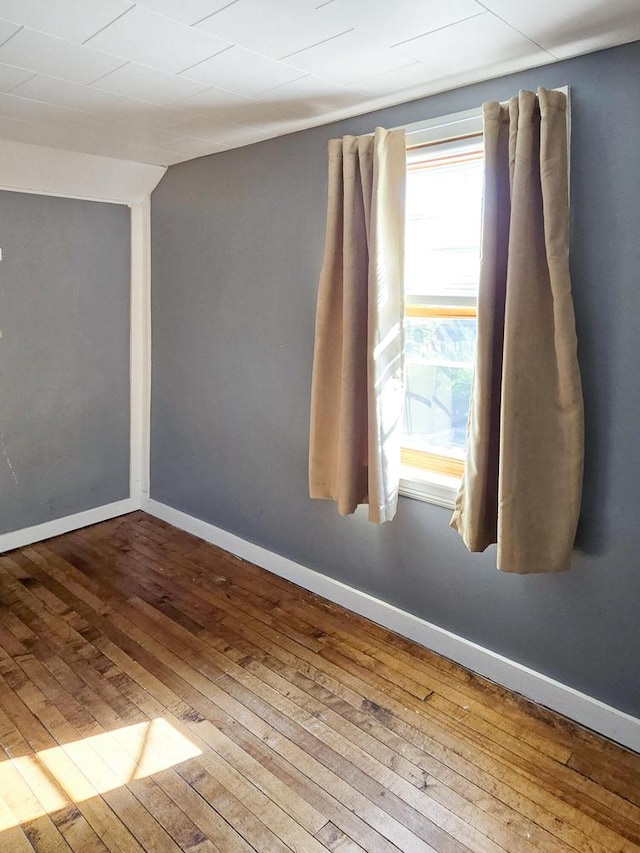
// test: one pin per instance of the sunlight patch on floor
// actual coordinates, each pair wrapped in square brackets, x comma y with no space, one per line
[51,779]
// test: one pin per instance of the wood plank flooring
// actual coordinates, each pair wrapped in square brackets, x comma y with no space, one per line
[157,694]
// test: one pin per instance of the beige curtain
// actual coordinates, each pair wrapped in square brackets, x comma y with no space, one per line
[523,474]
[357,395]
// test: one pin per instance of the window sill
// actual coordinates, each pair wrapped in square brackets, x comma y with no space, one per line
[427,486]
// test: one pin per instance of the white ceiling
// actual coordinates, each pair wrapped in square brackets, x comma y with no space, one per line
[161,81]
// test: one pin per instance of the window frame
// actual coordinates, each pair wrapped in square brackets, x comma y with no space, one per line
[420,483]
[439,484]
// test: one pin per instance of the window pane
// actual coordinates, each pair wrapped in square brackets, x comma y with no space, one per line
[443,229]
[439,356]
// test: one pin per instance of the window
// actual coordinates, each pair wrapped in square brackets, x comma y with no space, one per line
[444,198]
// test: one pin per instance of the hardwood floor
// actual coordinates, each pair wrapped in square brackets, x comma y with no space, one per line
[157,694]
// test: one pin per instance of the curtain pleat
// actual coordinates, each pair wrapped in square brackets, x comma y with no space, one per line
[523,472]
[356,395]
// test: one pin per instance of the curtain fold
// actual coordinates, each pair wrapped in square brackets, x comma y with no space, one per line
[357,394]
[523,473]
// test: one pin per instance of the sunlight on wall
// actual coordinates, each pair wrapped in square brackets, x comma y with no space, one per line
[49,780]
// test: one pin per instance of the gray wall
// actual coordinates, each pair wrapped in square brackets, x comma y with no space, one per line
[64,357]
[237,245]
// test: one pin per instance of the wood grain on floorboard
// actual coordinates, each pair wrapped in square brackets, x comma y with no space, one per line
[158,694]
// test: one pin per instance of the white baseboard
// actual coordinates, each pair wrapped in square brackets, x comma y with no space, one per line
[39,532]
[589,712]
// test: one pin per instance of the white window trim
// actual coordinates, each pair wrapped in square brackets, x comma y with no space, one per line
[429,486]
[443,128]
[416,483]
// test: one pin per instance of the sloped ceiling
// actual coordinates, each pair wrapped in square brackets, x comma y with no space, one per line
[163,81]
